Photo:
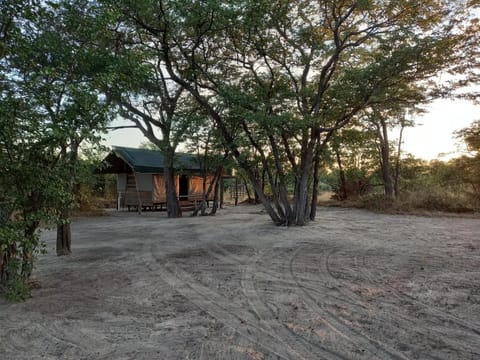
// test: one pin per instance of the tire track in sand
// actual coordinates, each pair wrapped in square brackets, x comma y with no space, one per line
[468,330]
[386,318]
[447,316]
[334,322]
[220,308]
[305,348]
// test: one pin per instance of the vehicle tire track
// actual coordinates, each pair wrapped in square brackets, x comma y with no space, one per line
[335,323]
[387,317]
[451,318]
[233,316]
[297,342]
[468,330]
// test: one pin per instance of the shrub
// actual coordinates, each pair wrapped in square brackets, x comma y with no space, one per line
[357,183]
[433,200]
[437,200]
[18,249]
[17,289]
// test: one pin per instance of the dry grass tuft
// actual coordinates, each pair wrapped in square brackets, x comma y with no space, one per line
[426,203]
[92,206]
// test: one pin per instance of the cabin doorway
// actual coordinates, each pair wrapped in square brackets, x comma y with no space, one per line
[183,187]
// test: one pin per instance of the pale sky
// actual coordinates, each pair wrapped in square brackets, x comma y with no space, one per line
[432,135]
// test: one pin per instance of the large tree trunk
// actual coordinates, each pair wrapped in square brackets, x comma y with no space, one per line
[256,197]
[173,207]
[301,200]
[213,186]
[397,162]
[316,173]
[385,153]
[203,206]
[249,196]
[316,182]
[258,192]
[256,174]
[64,234]
[215,196]
[281,185]
[301,203]
[342,192]
[222,188]
[28,250]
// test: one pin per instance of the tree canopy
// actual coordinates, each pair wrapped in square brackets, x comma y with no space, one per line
[50,105]
[282,76]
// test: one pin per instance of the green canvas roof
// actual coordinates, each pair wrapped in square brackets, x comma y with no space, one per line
[152,161]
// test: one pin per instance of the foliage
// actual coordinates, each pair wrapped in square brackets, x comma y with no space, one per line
[17,290]
[452,186]
[467,167]
[421,201]
[357,183]
[93,192]
[49,106]
[434,186]
[279,78]
[30,186]
[471,136]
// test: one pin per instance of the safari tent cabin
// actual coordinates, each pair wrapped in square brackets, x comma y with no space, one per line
[140,180]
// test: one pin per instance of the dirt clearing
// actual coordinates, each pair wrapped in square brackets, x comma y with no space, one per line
[352,285]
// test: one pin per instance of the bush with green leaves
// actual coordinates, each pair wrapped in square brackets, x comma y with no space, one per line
[17,290]
[18,250]
[356,183]
[15,262]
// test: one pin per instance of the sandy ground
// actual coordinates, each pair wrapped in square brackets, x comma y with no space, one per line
[352,285]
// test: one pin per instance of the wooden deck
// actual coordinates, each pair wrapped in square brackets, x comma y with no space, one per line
[143,198]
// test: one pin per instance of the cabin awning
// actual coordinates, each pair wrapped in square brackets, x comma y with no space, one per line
[125,159]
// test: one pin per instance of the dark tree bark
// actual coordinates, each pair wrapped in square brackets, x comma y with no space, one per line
[203,203]
[282,186]
[64,234]
[385,163]
[342,193]
[215,197]
[221,192]
[316,173]
[397,161]
[214,186]
[301,193]
[249,196]
[316,182]
[255,193]
[173,206]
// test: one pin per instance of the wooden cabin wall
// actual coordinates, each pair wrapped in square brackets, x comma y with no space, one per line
[159,189]
[196,186]
[121,183]
[144,181]
[130,196]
